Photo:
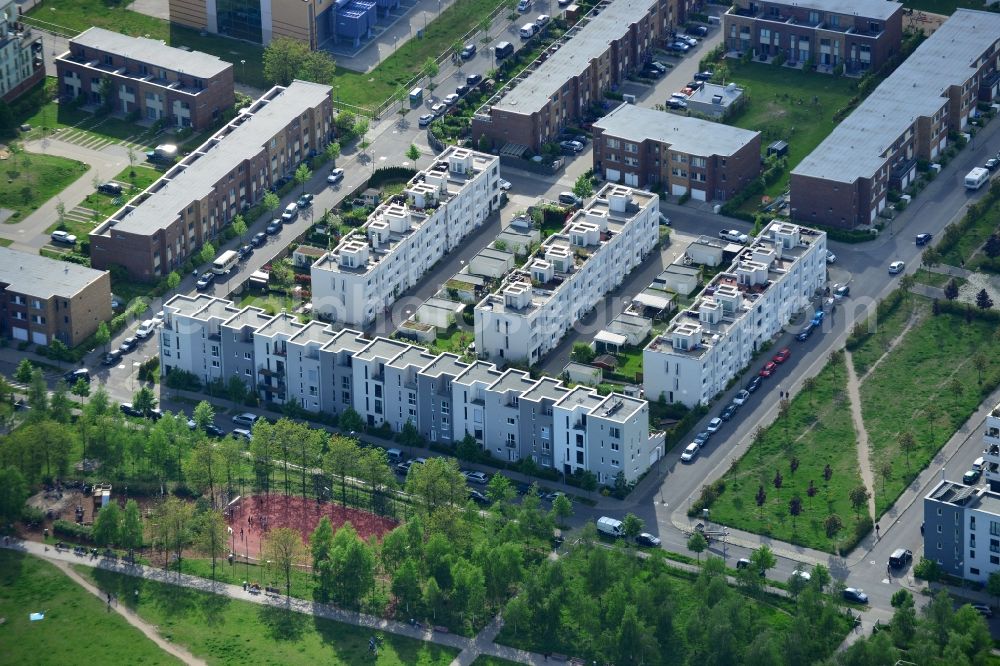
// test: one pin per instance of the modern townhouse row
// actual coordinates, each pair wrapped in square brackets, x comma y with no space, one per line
[154,233]
[594,56]
[681,155]
[778,274]
[508,413]
[857,35]
[106,70]
[22,65]
[845,181]
[43,299]
[406,235]
[962,522]
[565,278]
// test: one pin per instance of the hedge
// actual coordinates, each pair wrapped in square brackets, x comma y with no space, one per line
[72,530]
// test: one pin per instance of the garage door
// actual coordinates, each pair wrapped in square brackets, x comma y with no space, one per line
[19,333]
[39,338]
[614,175]
[632,179]
[678,190]
[697,195]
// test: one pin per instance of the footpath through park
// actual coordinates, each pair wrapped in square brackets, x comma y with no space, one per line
[470,648]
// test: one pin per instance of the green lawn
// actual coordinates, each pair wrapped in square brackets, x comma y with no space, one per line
[885,329]
[486,660]
[454,340]
[53,116]
[77,625]
[817,431]
[224,631]
[935,279]
[29,180]
[104,203]
[788,104]
[933,354]
[5,242]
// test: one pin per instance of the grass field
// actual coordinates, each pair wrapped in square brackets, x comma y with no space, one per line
[817,431]
[29,180]
[935,279]
[485,660]
[104,203]
[937,355]
[53,116]
[76,623]
[224,631]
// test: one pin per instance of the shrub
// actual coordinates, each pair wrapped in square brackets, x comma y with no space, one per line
[928,570]
[709,493]
[70,530]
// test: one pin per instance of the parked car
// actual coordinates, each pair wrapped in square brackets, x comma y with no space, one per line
[461,90]
[205,281]
[524,6]
[128,410]
[695,85]
[971,477]
[468,51]
[992,164]
[246,419]
[242,433]
[569,199]
[572,146]
[425,120]
[734,236]
[335,176]
[504,185]
[702,437]
[63,237]
[804,576]
[477,477]
[728,412]
[690,451]
[73,376]
[688,39]
[830,257]
[273,228]
[983,610]
[806,331]
[112,357]
[258,239]
[304,201]
[896,267]
[439,109]
[473,80]
[478,497]
[753,384]
[451,100]
[704,76]
[542,20]
[768,369]
[647,539]
[650,72]
[680,46]
[841,291]
[145,329]
[290,213]
[782,355]
[128,345]
[741,397]
[900,558]
[924,239]
[114,189]
[714,425]
[857,595]
[697,30]
[674,103]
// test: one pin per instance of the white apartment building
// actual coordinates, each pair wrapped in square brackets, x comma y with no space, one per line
[405,236]
[468,392]
[567,276]
[502,404]
[706,345]
[20,53]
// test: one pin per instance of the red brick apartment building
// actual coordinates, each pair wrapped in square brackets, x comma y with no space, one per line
[858,34]
[44,299]
[160,82]
[657,151]
[154,233]
[555,91]
[845,181]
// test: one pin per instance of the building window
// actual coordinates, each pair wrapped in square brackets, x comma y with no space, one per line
[994,528]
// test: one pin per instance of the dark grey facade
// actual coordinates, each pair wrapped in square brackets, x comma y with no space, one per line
[944,525]
[536,419]
[435,401]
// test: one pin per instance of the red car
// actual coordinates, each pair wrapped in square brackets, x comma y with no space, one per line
[782,356]
[768,369]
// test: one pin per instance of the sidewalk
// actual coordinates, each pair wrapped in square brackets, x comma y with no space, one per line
[481,644]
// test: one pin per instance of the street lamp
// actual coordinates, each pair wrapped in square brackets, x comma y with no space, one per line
[243,73]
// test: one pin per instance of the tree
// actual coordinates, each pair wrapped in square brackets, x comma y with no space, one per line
[318,67]
[859,499]
[437,483]
[778,479]
[956,388]
[951,290]
[582,352]
[283,59]
[321,543]
[207,253]
[130,536]
[173,280]
[302,175]
[107,525]
[584,186]
[341,461]
[283,549]
[980,361]
[103,335]
[24,372]
[631,526]
[794,508]
[413,153]
[239,226]
[930,257]
[375,471]
[484,26]
[271,201]
[236,389]
[983,300]
[827,473]
[907,444]
[350,421]
[203,467]
[562,509]
[885,471]
[500,491]
[38,396]
[993,585]
[697,543]
[172,526]
[144,400]
[13,493]
[210,534]
[333,151]
[430,68]
[832,525]
[762,559]
[992,246]
[760,498]
[60,405]
[406,584]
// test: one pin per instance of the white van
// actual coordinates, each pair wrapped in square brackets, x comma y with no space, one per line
[528,30]
[394,455]
[145,329]
[977,178]
[610,527]
[524,6]
[225,262]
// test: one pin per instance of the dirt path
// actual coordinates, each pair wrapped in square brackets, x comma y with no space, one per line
[147,629]
[910,323]
[864,453]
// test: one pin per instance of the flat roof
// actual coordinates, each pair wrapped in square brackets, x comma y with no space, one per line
[445,364]
[678,269]
[479,371]
[42,277]
[881,9]
[283,323]
[152,51]
[383,348]
[217,157]
[574,56]
[609,338]
[693,136]
[618,407]
[861,144]
[546,387]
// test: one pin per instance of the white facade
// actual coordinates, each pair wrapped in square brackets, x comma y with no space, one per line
[707,345]
[17,49]
[567,276]
[402,239]
[190,339]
